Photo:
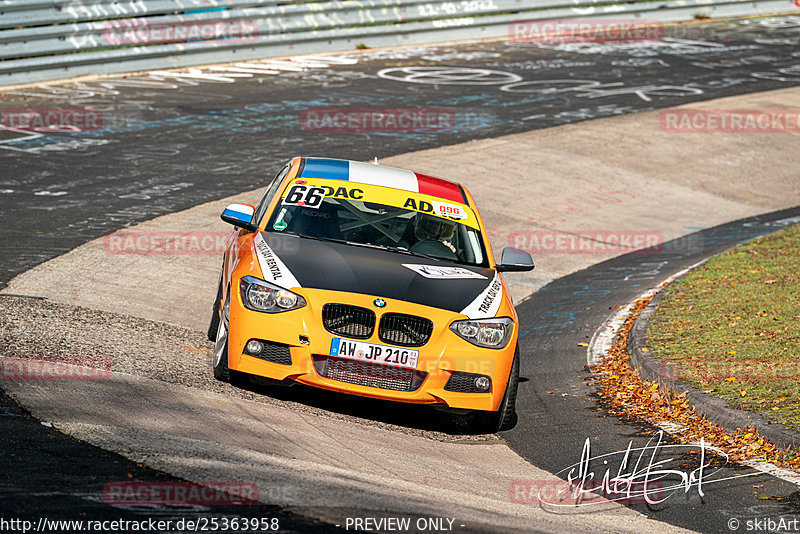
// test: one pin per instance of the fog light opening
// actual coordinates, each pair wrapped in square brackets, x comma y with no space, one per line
[483,383]
[254,347]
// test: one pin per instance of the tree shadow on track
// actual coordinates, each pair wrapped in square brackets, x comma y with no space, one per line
[434,422]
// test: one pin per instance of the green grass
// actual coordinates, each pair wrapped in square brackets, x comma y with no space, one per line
[731,328]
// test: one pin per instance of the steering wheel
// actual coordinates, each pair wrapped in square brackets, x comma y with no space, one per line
[434,248]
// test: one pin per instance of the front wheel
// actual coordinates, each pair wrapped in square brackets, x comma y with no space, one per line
[220,362]
[213,326]
[505,417]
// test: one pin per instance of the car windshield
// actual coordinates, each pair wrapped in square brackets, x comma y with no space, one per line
[356,221]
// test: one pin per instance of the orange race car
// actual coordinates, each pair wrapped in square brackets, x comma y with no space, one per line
[369,280]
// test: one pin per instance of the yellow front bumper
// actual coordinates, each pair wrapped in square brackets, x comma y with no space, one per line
[303,332]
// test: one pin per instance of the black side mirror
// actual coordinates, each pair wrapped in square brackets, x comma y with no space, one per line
[515,260]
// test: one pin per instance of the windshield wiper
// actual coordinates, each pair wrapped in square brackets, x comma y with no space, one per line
[390,248]
[421,255]
[418,254]
[355,243]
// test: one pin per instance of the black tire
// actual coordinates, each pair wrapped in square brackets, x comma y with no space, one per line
[215,311]
[506,417]
[219,361]
[221,370]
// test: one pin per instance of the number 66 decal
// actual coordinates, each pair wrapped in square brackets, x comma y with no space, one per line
[304,195]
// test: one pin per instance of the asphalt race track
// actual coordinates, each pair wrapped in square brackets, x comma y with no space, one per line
[166,144]
[163,144]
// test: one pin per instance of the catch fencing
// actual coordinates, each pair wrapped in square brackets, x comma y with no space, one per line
[55,39]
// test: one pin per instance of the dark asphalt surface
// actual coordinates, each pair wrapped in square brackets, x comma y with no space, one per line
[165,145]
[47,475]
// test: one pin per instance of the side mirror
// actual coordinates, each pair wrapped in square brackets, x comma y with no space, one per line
[240,215]
[515,260]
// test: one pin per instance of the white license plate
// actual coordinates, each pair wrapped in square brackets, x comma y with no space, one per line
[374,353]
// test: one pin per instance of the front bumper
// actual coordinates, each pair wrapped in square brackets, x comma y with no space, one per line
[300,335]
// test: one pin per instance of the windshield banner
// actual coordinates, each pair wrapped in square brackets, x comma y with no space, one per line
[312,191]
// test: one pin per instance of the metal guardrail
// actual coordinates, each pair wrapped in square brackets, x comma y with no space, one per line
[53,39]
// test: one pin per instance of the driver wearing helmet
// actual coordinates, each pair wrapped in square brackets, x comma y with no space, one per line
[432,228]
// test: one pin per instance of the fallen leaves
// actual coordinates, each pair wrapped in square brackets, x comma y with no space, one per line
[622,386]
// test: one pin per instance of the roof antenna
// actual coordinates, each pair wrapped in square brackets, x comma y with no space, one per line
[375,161]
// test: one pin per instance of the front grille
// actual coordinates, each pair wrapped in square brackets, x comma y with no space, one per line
[348,321]
[404,330]
[275,353]
[462,382]
[369,374]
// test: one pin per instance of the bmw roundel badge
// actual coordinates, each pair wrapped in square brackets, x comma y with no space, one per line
[380,303]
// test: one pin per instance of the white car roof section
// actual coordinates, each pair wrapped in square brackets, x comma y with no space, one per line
[371,174]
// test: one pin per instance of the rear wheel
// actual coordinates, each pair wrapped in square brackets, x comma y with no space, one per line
[505,417]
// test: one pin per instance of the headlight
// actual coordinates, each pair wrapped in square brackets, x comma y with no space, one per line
[262,296]
[491,333]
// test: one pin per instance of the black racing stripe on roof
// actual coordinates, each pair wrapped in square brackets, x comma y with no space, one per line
[463,194]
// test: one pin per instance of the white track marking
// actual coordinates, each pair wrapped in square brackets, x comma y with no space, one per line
[243,70]
[329,59]
[256,67]
[173,79]
[793,477]
[790,476]
[281,65]
[604,336]
[311,64]
[198,75]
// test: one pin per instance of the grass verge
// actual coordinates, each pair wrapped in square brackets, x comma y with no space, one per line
[731,328]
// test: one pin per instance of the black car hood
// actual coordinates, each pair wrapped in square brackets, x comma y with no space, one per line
[356,269]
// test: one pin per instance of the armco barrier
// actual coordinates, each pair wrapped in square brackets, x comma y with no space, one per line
[54,39]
